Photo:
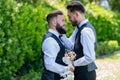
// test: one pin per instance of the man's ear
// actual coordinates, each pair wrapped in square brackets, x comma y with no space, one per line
[77,13]
[54,22]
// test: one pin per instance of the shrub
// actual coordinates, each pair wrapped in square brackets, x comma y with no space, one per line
[107,47]
[32,75]
[115,4]
[10,58]
[21,29]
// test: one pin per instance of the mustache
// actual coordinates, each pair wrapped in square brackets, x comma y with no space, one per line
[74,23]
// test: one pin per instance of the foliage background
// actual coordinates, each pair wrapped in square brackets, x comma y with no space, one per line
[23,23]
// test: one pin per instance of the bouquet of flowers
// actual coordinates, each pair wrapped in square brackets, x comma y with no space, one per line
[67,59]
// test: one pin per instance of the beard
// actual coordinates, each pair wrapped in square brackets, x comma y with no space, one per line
[60,29]
[74,23]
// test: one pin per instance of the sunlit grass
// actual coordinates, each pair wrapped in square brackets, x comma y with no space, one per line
[114,56]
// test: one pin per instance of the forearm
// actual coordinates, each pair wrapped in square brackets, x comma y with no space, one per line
[67,43]
[83,61]
[54,67]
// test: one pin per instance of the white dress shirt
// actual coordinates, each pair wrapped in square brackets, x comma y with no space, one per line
[87,41]
[51,48]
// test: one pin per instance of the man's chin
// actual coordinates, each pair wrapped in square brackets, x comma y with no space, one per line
[62,32]
[74,25]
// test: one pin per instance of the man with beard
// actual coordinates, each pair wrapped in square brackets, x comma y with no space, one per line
[53,49]
[82,42]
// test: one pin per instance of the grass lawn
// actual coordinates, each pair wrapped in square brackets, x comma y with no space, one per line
[109,67]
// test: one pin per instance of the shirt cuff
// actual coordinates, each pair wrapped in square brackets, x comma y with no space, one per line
[74,63]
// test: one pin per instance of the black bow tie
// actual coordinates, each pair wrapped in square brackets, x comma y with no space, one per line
[60,36]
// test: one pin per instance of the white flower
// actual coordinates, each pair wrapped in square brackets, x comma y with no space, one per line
[68,75]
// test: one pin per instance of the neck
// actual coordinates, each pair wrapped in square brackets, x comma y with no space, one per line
[81,19]
[52,27]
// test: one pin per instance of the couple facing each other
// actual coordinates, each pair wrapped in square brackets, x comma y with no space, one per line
[82,42]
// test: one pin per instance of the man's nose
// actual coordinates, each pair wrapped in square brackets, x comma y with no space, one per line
[69,20]
[64,23]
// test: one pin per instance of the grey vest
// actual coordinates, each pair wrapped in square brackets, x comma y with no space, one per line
[48,75]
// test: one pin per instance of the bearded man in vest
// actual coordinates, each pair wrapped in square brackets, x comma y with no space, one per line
[53,49]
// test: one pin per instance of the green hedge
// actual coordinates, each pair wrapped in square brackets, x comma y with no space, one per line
[107,47]
[21,29]
[115,4]
[32,75]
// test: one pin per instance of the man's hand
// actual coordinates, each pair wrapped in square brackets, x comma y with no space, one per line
[72,69]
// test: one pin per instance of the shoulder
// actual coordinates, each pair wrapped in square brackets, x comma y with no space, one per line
[87,30]
[49,43]
[88,33]
[49,40]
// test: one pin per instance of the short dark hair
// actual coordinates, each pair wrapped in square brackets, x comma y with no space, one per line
[76,6]
[53,14]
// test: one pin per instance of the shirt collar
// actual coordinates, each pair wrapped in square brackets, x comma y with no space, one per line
[54,32]
[83,22]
